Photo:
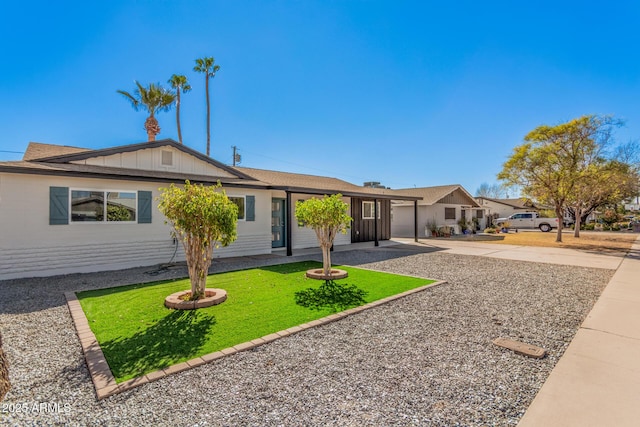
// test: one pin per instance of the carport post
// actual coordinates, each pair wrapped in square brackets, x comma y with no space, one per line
[415,221]
[288,225]
[375,221]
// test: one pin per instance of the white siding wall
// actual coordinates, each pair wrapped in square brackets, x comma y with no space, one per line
[151,159]
[305,237]
[403,222]
[503,211]
[29,246]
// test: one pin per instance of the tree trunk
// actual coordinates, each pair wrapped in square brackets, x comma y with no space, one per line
[576,224]
[326,259]
[208,114]
[5,385]
[560,216]
[178,115]
[198,264]
[152,127]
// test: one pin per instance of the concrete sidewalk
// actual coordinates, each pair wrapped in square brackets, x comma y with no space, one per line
[548,255]
[597,380]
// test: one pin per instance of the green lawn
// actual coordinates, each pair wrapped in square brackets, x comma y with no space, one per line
[139,335]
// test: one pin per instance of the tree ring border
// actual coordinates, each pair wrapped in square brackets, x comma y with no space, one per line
[318,274]
[212,297]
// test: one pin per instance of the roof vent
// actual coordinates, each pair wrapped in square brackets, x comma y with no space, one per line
[167,158]
[373,184]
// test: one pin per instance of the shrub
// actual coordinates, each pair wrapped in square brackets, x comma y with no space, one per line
[610,217]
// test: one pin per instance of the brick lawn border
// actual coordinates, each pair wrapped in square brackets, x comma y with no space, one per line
[105,383]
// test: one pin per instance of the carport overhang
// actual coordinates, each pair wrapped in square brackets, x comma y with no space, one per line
[374,196]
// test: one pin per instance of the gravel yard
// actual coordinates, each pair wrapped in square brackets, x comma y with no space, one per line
[426,359]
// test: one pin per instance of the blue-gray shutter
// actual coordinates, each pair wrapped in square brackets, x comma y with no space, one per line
[144,207]
[58,205]
[251,208]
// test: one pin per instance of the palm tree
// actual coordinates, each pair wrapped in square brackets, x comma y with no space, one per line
[206,66]
[180,84]
[153,98]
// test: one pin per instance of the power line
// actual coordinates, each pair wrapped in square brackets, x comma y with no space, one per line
[325,171]
[237,158]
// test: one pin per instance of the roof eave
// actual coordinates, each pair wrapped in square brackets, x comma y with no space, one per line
[230,182]
[67,158]
[316,191]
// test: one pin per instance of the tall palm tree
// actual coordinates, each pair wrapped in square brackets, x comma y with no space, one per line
[153,98]
[180,84]
[207,66]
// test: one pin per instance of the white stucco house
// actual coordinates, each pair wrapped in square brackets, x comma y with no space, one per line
[442,205]
[632,204]
[68,209]
[502,208]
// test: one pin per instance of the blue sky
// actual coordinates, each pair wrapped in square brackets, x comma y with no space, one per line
[408,93]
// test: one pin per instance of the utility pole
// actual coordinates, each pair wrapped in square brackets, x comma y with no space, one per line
[236,157]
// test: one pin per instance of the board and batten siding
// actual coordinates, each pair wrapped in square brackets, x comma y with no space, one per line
[363,230]
[30,246]
[151,159]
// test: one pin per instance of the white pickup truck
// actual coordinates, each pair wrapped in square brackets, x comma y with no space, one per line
[528,220]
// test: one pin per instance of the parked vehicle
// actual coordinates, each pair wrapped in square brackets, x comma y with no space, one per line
[528,220]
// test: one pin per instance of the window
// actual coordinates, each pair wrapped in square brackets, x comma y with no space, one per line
[103,206]
[367,210]
[240,202]
[480,214]
[449,213]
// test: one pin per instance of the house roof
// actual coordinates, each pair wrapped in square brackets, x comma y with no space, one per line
[106,172]
[433,195]
[37,150]
[47,159]
[519,203]
[84,154]
[313,184]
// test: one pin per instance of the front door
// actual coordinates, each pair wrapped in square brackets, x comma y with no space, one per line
[278,222]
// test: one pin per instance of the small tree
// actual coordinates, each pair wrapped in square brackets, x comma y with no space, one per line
[327,217]
[202,218]
[493,191]
[554,162]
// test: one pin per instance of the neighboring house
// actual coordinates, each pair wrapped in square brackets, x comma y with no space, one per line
[632,204]
[69,209]
[443,205]
[502,208]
